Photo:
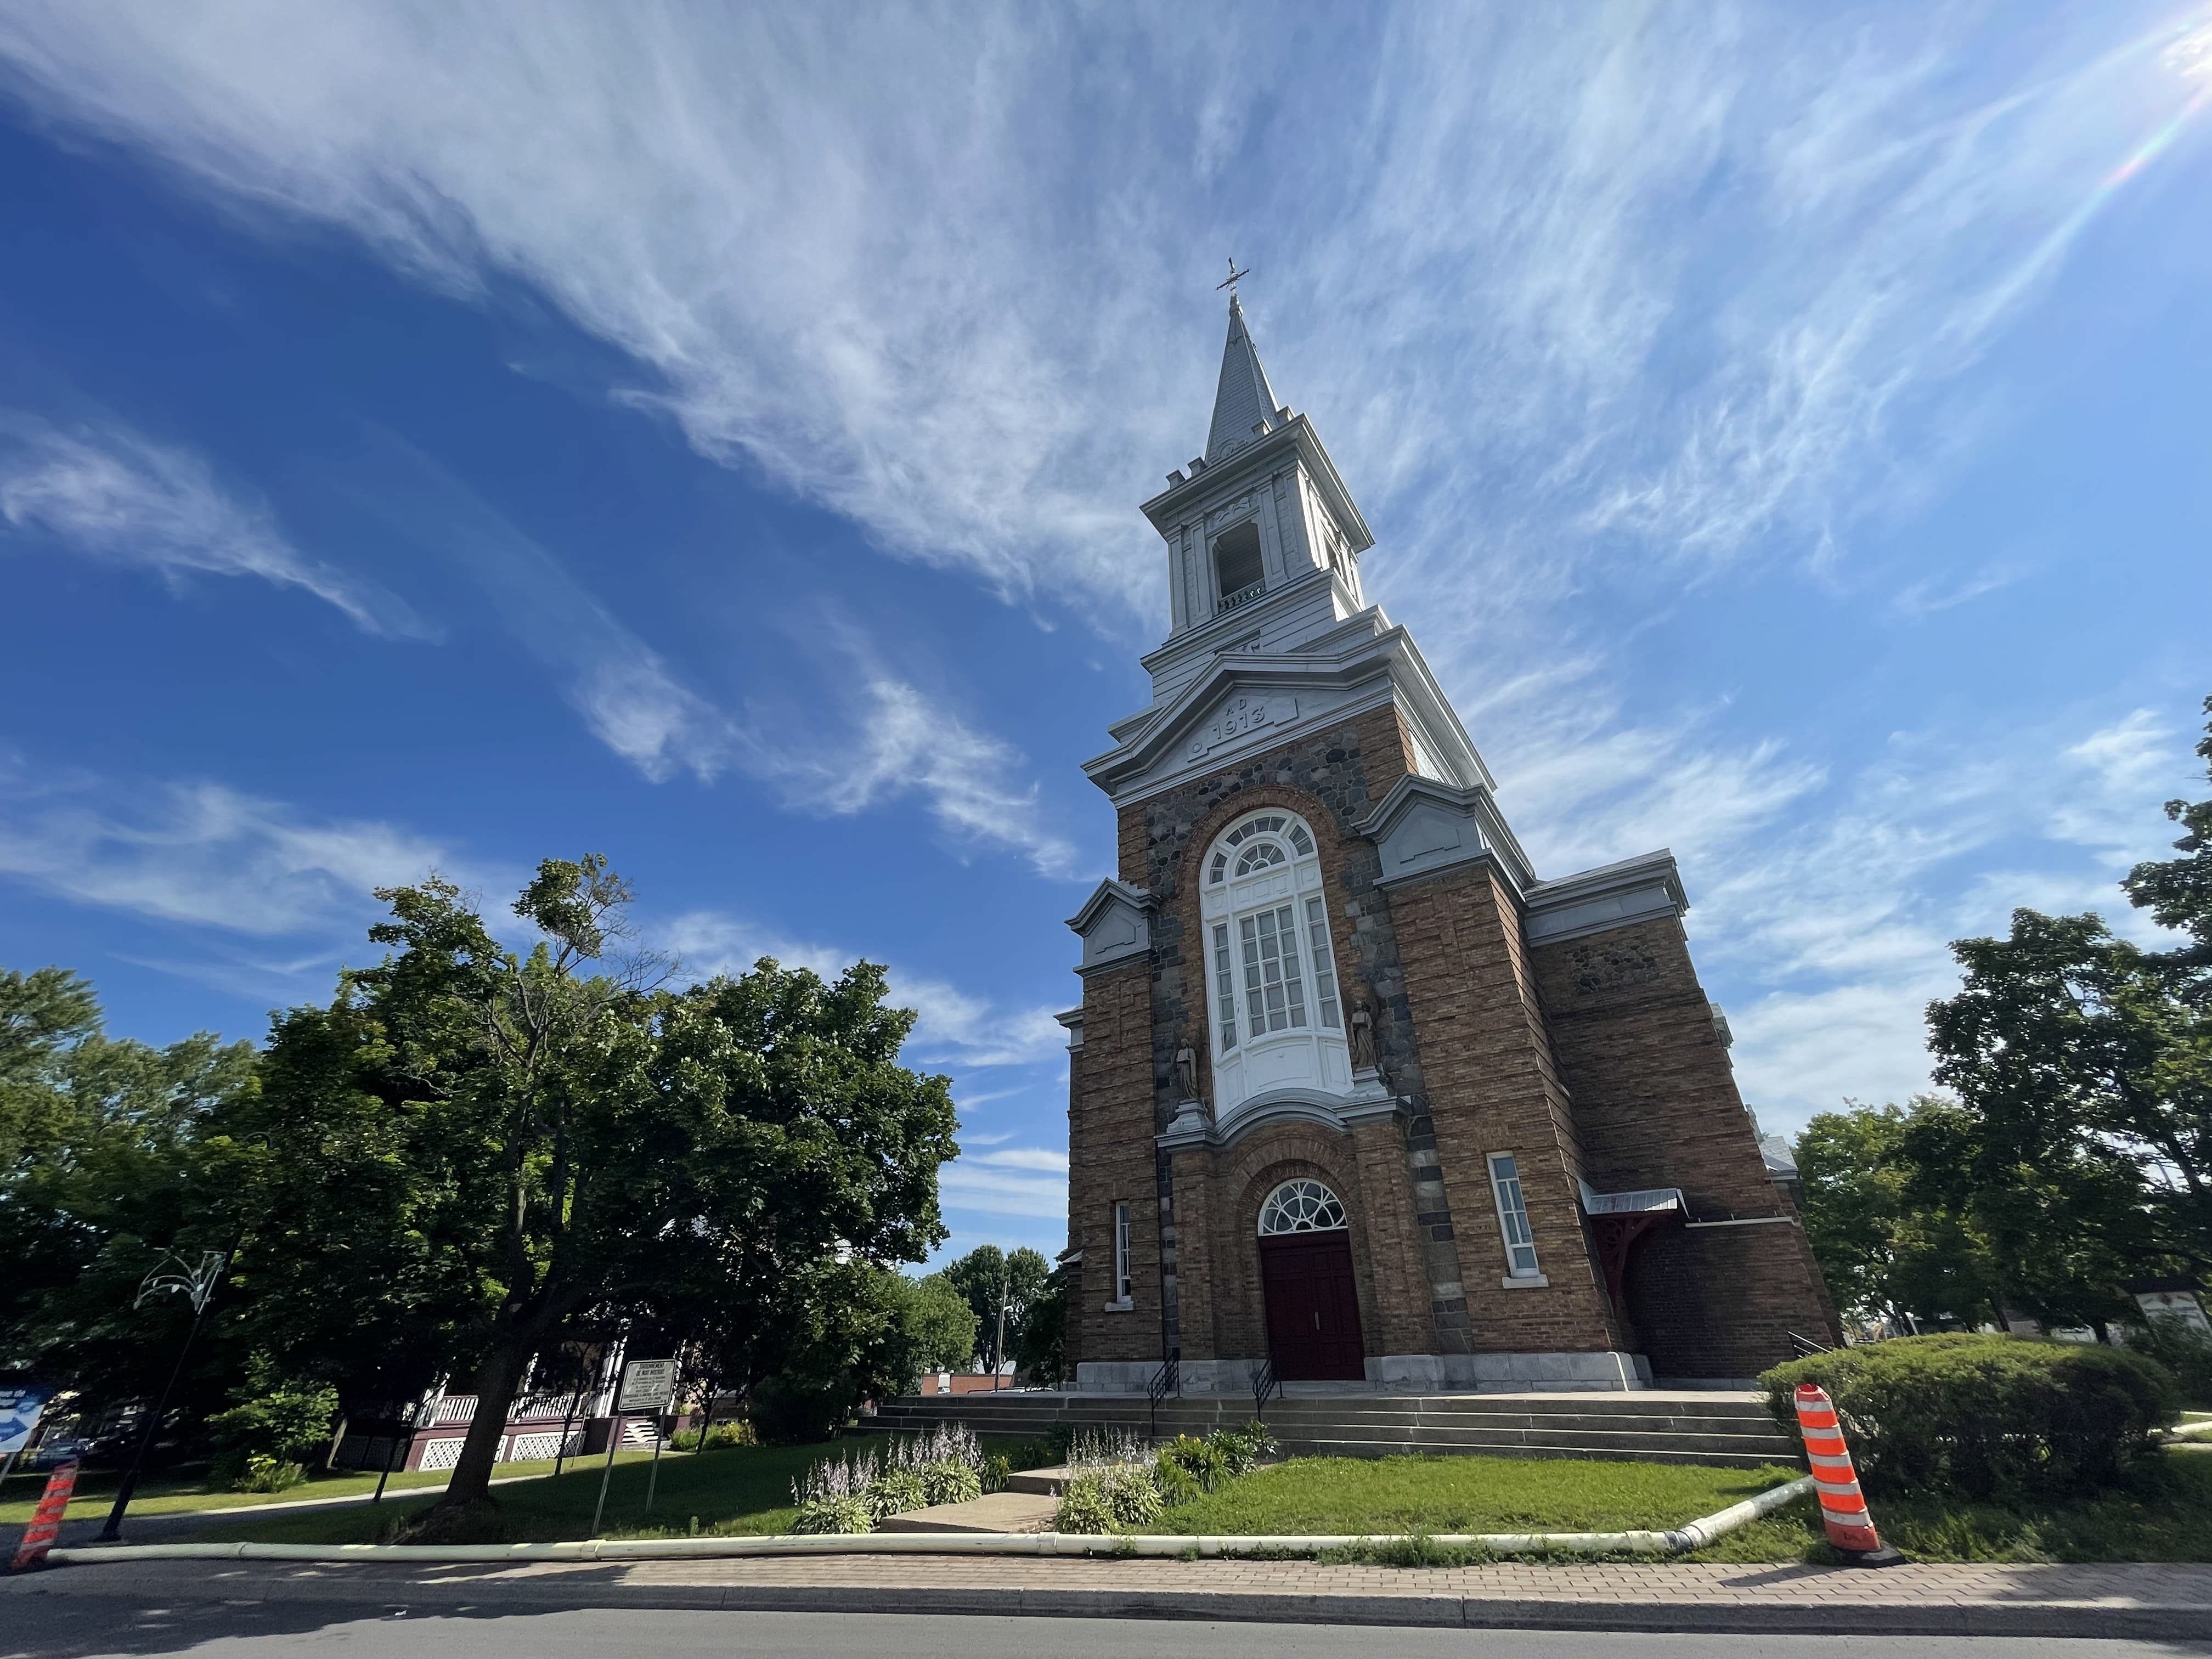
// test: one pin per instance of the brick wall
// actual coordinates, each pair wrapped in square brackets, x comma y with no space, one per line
[1111,1158]
[1332,778]
[1657,1102]
[1493,1087]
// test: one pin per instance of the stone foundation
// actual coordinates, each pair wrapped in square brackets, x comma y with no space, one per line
[1604,1372]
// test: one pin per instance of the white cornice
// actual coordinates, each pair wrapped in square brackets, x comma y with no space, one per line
[1377,658]
[1181,503]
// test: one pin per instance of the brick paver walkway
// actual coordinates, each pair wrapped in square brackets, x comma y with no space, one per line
[2120,1600]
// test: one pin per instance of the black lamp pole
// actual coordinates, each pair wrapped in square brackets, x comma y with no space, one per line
[196,1285]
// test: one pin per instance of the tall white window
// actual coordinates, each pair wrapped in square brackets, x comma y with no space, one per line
[1513,1217]
[1277,1019]
[1124,1286]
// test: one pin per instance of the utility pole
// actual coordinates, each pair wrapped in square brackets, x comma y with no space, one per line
[998,1342]
[196,1284]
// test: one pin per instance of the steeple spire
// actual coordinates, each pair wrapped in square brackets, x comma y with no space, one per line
[1244,398]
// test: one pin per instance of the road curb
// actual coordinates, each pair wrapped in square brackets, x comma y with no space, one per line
[1656,1615]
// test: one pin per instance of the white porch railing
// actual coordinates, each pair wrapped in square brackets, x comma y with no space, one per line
[530,1408]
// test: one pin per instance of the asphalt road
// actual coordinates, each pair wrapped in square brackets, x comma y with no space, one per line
[90,1627]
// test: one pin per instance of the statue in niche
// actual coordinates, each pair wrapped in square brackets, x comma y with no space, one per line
[1186,1072]
[1363,1039]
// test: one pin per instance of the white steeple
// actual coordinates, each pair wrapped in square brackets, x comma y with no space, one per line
[1244,406]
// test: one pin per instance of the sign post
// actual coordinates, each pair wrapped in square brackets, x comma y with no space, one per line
[647,1385]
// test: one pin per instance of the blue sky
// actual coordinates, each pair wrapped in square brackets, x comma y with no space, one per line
[444,437]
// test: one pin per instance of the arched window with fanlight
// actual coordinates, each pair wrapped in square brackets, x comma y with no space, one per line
[1271,969]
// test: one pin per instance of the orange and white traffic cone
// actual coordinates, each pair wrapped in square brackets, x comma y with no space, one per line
[1843,1505]
[46,1520]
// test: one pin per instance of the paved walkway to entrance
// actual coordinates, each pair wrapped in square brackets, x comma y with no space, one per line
[2116,1601]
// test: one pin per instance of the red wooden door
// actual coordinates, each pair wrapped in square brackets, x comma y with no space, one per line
[1313,1307]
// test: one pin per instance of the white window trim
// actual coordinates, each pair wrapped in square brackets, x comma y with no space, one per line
[1515,1279]
[1124,1281]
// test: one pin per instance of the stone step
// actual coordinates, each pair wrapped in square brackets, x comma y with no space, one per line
[1732,1431]
[1049,1483]
[1000,1512]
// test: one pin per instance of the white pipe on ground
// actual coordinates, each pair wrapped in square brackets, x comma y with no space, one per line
[1693,1535]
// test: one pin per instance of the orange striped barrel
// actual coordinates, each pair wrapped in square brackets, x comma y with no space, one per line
[1843,1505]
[46,1520]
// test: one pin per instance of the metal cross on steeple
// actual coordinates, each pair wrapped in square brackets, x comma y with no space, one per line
[1235,275]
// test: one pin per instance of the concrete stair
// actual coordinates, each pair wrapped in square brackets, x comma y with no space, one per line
[1731,1429]
[1010,1510]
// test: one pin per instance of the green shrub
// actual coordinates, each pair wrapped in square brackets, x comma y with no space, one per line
[1989,1417]
[1205,1462]
[714,1437]
[2185,1350]
[1242,1448]
[1134,1496]
[995,1471]
[796,1412]
[948,1482]
[1086,1505]
[264,1473]
[895,1491]
[271,1419]
[848,1512]
[1177,1484]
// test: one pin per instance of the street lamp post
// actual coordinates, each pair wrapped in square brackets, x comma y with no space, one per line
[196,1283]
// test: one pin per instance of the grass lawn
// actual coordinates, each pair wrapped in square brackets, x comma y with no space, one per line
[169,1494]
[2168,1520]
[1359,1495]
[733,1490]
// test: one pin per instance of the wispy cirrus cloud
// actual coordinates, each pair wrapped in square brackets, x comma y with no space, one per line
[209,857]
[113,494]
[1653,276]
[879,739]
[1010,1183]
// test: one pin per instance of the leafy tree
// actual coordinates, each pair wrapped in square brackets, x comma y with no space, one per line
[991,1278]
[107,1171]
[271,1416]
[44,1015]
[2082,1143]
[1041,1349]
[1887,1246]
[860,1333]
[941,1324]
[552,1142]
[2088,1076]
[2178,892]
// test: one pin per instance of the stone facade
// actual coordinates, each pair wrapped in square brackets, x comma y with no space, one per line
[1558,1024]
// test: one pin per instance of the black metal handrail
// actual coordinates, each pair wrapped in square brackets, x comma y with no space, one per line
[1264,1383]
[1806,1347]
[1166,1381]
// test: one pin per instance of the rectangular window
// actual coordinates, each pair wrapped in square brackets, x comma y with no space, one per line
[1123,1285]
[1225,983]
[1324,976]
[1513,1216]
[1274,995]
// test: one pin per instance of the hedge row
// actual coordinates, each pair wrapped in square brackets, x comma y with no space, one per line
[1989,1417]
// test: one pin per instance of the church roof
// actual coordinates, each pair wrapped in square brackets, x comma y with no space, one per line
[1244,398]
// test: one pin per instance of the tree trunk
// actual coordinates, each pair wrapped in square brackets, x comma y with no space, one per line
[497,1379]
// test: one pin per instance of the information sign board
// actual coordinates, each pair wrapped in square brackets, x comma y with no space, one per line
[20,1407]
[648,1385]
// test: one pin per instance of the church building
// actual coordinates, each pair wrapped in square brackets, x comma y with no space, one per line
[1353,1092]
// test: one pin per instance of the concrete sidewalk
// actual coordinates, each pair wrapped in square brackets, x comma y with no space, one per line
[2137,1601]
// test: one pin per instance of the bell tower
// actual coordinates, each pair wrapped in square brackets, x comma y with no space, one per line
[1352,1091]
